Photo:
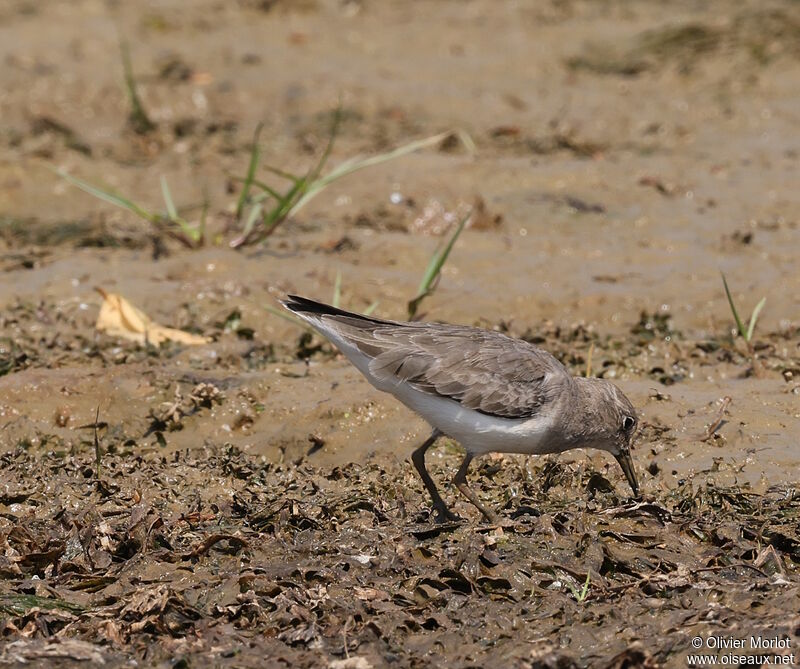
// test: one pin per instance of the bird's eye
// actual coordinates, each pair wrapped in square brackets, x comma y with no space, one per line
[628,423]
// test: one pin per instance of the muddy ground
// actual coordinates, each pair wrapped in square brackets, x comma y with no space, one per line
[253,504]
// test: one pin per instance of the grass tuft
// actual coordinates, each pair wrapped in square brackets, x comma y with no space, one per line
[580,595]
[109,196]
[259,213]
[258,228]
[287,201]
[188,234]
[745,332]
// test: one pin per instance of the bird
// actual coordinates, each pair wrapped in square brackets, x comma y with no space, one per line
[486,390]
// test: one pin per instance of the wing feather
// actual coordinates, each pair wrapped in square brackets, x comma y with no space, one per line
[482,370]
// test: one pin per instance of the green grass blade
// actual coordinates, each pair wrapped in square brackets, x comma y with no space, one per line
[282,173]
[298,192]
[738,320]
[109,196]
[285,203]
[440,257]
[137,118]
[255,156]
[754,317]
[191,232]
[337,290]
[268,191]
[434,268]
[368,311]
[314,173]
[172,212]
[281,210]
[252,218]
[201,227]
[262,197]
[585,590]
[356,164]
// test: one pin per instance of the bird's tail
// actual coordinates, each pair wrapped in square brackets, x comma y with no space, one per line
[313,310]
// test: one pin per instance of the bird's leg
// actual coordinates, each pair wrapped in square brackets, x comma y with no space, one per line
[460,481]
[443,514]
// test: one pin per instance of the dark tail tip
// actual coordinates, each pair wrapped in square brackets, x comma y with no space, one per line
[302,305]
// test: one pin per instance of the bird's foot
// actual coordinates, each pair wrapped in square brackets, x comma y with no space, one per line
[499,523]
[445,515]
[492,518]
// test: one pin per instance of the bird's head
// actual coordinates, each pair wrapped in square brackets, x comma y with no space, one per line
[612,423]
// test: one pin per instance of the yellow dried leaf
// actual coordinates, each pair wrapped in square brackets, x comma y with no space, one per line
[119,318]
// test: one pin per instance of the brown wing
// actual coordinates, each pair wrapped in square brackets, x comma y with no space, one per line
[482,370]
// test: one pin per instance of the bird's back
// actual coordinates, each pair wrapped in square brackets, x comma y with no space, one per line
[481,370]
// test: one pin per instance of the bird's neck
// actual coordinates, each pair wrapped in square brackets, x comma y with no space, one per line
[583,420]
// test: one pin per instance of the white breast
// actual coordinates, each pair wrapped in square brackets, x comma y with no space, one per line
[475,431]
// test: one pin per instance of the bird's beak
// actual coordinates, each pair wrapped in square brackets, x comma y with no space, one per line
[626,462]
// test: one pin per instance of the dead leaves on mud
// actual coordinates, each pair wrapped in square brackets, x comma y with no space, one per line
[216,552]
[184,556]
[119,318]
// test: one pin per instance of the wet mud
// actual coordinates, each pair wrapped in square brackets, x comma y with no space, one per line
[213,554]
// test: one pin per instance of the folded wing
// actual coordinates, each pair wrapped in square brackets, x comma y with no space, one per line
[482,370]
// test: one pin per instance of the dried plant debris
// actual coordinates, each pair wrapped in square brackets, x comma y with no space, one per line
[214,554]
[169,415]
[763,35]
[119,318]
[48,334]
